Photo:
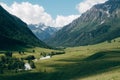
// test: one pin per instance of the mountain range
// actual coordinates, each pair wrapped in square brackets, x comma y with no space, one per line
[42,31]
[98,24]
[14,33]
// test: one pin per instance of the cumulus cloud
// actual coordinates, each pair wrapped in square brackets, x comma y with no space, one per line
[60,20]
[35,14]
[87,4]
[31,14]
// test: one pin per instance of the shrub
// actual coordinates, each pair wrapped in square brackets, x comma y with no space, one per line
[114,40]
[31,64]
[30,57]
[2,66]
[3,59]
[19,52]
[33,51]
[109,41]
[8,54]
[15,63]
[43,54]
[57,53]
[10,63]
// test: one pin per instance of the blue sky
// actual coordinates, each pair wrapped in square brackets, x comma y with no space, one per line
[55,13]
[53,7]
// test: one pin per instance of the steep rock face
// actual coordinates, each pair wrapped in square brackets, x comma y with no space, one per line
[14,32]
[43,32]
[100,23]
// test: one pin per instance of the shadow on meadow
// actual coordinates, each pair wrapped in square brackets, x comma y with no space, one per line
[97,63]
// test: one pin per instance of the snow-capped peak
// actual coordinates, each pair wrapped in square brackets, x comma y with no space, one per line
[44,27]
[102,22]
[108,14]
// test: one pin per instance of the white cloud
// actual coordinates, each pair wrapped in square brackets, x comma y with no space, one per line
[60,20]
[35,14]
[87,4]
[31,14]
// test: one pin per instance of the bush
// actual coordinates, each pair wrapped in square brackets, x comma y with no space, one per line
[114,40]
[30,57]
[57,53]
[15,63]
[10,63]
[43,54]
[21,52]
[3,59]
[31,64]
[2,66]
[109,41]
[8,54]
[33,51]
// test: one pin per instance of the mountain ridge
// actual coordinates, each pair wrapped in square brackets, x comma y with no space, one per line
[42,31]
[96,25]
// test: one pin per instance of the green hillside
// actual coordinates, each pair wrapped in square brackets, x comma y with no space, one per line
[15,33]
[87,49]
[92,62]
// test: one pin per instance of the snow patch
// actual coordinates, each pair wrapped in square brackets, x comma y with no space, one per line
[37,26]
[27,66]
[46,57]
[108,14]
[44,27]
[102,22]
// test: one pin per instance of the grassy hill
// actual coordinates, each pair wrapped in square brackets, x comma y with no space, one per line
[92,62]
[14,32]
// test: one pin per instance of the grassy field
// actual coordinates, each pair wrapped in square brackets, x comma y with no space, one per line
[92,62]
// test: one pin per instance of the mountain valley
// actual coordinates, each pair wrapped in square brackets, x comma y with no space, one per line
[88,48]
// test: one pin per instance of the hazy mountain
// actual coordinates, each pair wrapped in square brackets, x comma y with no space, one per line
[43,32]
[15,33]
[100,23]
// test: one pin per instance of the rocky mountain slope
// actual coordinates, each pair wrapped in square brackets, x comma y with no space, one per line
[43,32]
[100,23]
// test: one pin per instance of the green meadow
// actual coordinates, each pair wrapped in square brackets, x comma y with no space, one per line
[92,62]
